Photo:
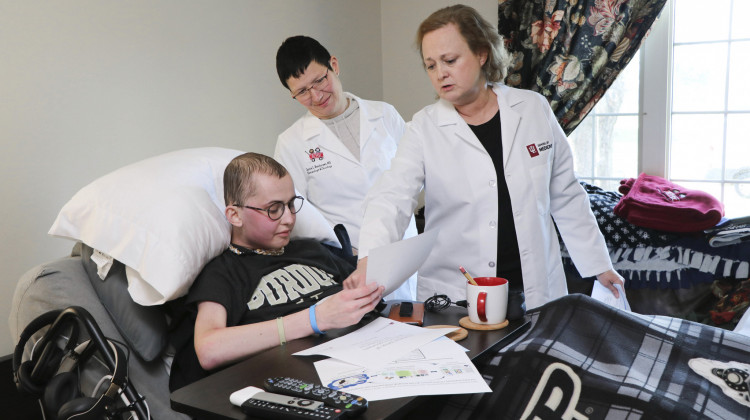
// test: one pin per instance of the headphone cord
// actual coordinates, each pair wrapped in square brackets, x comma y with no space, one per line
[438,302]
[130,407]
[139,399]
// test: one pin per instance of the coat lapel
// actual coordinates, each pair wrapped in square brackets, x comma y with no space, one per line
[509,118]
[370,119]
[317,134]
[449,120]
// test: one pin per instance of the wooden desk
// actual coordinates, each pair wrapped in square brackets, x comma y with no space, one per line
[209,397]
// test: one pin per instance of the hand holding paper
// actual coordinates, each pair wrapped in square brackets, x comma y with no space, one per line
[603,294]
[347,307]
[392,264]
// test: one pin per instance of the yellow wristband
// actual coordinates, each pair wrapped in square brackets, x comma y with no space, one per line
[280,326]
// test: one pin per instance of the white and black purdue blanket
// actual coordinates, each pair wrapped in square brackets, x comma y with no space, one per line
[582,359]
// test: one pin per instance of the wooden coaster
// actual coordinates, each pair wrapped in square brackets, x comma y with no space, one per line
[456,335]
[467,323]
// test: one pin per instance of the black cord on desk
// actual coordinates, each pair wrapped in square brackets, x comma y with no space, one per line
[439,302]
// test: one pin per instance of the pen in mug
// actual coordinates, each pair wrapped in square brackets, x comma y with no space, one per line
[468,276]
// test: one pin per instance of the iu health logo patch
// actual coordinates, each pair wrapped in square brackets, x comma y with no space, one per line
[534,149]
[533,152]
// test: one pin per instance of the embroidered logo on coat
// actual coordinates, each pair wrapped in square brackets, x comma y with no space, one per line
[533,152]
[314,154]
[534,149]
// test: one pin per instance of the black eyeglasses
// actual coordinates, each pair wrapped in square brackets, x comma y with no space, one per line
[276,210]
[304,94]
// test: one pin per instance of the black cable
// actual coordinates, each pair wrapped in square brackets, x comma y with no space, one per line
[439,302]
[137,402]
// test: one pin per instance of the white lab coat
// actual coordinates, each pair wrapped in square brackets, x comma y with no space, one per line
[330,178]
[440,152]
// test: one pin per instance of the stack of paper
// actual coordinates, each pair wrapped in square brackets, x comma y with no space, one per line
[389,359]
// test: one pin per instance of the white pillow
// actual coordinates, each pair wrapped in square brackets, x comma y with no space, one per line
[163,217]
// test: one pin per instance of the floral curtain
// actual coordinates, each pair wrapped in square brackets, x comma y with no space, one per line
[571,51]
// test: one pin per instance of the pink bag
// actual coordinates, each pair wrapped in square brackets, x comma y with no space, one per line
[656,203]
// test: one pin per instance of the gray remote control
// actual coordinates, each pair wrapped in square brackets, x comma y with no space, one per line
[288,400]
[255,402]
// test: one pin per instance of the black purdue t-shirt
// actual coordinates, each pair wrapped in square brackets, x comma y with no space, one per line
[254,288]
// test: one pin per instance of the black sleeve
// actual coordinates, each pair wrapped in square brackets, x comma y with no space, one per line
[345,265]
[341,254]
[213,284]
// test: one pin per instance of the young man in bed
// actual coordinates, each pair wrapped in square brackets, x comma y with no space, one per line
[264,289]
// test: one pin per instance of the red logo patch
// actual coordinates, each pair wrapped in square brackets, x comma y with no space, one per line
[314,154]
[533,152]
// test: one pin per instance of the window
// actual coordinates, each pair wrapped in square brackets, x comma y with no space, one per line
[605,143]
[681,109]
[710,112]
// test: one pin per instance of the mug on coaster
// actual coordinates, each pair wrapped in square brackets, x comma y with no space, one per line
[488,301]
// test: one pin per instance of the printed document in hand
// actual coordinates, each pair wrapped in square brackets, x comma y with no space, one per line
[377,343]
[392,264]
[605,295]
[439,367]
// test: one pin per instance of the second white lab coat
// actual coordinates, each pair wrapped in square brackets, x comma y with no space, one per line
[330,178]
[440,152]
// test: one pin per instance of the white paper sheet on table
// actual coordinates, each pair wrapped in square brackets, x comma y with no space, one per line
[390,265]
[377,343]
[605,295]
[438,367]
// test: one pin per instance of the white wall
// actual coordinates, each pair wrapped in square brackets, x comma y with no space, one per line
[87,86]
[405,83]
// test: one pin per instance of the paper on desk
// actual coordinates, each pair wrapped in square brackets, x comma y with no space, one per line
[438,367]
[390,265]
[377,343]
[605,295]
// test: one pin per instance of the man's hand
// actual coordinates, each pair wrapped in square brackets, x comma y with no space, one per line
[609,278]
[348,306]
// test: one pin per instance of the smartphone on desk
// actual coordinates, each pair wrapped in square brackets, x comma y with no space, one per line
[407,312]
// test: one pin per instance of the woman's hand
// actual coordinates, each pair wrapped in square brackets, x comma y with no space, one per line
[609,278]
[348,306]
[358,277]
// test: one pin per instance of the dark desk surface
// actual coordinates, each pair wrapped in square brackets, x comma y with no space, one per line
[209,397]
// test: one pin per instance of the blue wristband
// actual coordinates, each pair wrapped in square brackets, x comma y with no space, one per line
[313,321]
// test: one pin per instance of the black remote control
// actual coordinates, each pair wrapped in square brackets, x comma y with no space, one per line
[351,404]
[256,403]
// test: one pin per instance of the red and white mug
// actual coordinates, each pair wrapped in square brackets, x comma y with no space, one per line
[487,302]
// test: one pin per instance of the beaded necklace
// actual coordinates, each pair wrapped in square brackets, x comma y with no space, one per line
[259,251]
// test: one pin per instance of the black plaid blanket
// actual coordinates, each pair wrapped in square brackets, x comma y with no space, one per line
[582,359]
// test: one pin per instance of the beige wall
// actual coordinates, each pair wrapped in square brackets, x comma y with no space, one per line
[405,84]
[89,86]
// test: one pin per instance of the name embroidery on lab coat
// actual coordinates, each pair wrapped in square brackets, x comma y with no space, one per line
[316,154]
[535,149]
[318,167]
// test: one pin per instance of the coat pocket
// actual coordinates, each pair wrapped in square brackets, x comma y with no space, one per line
[540,180]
